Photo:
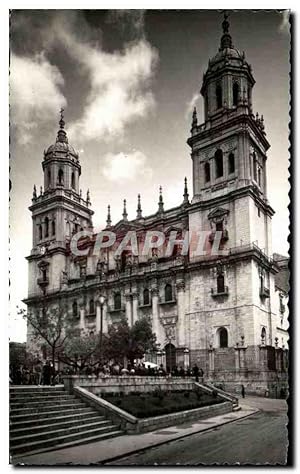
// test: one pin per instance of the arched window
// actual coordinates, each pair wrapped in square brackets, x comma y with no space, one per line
[73,180]
[46,227]
[168,292]
[231,164]
[263,334]
[219,97]
[220,284]
[53,227]
[254,167]
[60,176]
[117,300]
[219,163]
[223,337]
[49,179]
[235,94]
[44,273]
[207,172]
[92,306]
[146,296]
[40,232]
[75,309]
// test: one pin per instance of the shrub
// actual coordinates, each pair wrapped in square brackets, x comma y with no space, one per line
[187,394]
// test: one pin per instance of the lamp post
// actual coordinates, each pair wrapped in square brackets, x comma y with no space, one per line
[101,301]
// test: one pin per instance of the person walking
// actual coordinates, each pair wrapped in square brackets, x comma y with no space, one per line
[196,372]
[243,391]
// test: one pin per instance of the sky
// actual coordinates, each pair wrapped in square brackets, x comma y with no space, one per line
[128,81]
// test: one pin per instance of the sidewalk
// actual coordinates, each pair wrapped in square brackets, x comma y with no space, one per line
[114,448]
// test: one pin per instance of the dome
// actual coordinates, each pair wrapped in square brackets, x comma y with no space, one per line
[61,146]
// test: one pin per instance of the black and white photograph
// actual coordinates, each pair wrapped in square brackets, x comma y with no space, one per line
[149,237]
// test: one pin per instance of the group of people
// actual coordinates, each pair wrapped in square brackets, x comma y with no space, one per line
[46,374]
[39,374]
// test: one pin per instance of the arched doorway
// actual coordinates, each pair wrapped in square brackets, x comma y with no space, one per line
[170,356]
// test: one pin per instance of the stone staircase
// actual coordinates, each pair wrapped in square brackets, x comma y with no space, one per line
[47,418]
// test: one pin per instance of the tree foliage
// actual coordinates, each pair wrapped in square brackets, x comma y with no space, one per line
[50,324]
[80,350]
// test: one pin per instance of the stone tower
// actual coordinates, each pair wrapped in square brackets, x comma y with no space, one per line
[235,292]
[57,212]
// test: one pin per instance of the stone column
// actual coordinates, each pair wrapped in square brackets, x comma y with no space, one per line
[181,313]
[128,309]
[98,316]
[135,302]
[82,316]
[211,359]
[237,357]
[186,355]
[155,316]
[163,359]
[105,322]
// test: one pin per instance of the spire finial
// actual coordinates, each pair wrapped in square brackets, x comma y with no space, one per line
[108,220]
[139,208]
[160,201]
[124,211]
[88,200]
[195,118]
[62,122]
[185,193]
[61,134]
[226,41]
[34,192]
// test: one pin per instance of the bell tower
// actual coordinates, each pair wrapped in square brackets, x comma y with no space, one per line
[58,211]
[229,149]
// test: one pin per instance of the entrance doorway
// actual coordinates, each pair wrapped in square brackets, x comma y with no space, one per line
[170,350]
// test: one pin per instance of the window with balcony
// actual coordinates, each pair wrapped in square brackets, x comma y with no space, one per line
[168,292]
[92,306]
[220,284]
[40,232]
[53,227]
[60,177]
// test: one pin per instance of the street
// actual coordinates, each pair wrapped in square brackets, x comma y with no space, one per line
[258,439]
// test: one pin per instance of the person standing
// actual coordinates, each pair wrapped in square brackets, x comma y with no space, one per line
[46,373]
[243,391]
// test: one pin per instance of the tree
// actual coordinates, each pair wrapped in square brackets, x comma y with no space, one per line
[80,350]
[129,343]
[51,324]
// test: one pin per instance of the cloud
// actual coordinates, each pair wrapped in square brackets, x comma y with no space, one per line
[191,104]
[284,26]
[129,21]
[126,166]
[35,94]
[118,83]
[119,89]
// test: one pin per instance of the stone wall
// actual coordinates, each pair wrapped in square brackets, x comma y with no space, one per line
[126,384]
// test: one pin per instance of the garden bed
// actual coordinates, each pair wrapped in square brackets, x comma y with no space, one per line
[144,405]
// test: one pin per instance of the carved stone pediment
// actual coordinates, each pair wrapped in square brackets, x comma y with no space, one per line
[218,214]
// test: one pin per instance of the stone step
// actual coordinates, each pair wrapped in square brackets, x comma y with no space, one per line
[95,426]
[36,388]
[49,414]
[58,442]
[91,439]
[32,394]
[55,424]
[40,403]
[39,422]
[48,407]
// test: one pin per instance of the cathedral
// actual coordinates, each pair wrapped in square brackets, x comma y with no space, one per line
[226,311]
